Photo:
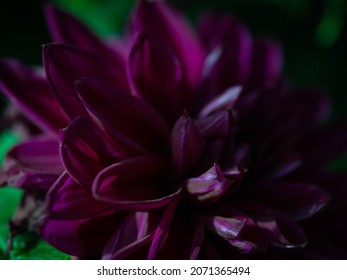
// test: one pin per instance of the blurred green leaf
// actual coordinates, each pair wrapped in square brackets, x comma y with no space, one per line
[7,140]
[331,24]
[4,233]
[29,247]
[9,200]
[105,17]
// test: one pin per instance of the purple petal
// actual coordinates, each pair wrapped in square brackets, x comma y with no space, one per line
[32,165]
[216,125]
[184,229]
[228,63]
[132,118]
[312,105]
[162,230]
[31,93]
[224,226]
[297,200]
[64,64]
[156,75]
[218,30]
[67,200]
[187,144]
[65,28]
[171,29]
[333,182]
[134,184]
[281,231]
[81,238]
[266,63]
[244,236]
[83,151]
[136,231]
[208,187]
[281,165]
[225,101]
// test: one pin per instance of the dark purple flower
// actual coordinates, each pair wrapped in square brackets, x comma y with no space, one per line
[176,147]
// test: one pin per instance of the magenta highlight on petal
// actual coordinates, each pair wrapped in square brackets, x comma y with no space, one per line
[188,145]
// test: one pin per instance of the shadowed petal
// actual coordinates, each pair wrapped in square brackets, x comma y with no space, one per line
[179,228]
[82,238]
[156,75]
[135,232]
[126,114]
[333,182]
[67,200]
[83,151]
[31,93]
[134,184]
[282,231]
[187,144]
[280,165]
[266,63]
[64,28]
[297,200]
[170,28]
[238,229]
[229,60]
[64,64]
[39,154]
[215,126]
[162,230]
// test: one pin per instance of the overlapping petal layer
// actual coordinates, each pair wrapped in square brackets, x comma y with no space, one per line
[180,149]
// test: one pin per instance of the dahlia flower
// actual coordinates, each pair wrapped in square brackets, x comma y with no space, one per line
[167,144]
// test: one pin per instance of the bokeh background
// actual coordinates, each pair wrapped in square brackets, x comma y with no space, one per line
[313,34]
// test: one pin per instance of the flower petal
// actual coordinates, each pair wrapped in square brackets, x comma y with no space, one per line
[210,186]
[224,101]
[229,60]
[239,229]
[215,126]
[162,230]
[266,63]
[333,182]
[134,183]
[136,231]
[83,151]
[81,238]
[187,144]
[156,75]
[133,119]
[64,64]
[224,226]
[65,28]
[170,28]
[297,200]
[31,93]
[281,231]
[34,163]
[184,229]
[67,200]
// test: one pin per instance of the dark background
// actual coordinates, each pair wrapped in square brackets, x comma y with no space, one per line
[313,33]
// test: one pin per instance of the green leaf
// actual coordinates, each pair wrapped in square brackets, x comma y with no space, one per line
[105,17]
[28,246]
[4,234]
[9,200]
[7,140]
